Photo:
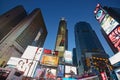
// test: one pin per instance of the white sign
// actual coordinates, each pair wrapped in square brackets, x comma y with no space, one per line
[32,52]
[24,65]
[114,59]
[68,57]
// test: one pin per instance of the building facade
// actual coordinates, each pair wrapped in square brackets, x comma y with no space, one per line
[87,43]
[109,20]
[30,31]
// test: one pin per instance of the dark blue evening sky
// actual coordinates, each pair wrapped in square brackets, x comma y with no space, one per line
[73,11]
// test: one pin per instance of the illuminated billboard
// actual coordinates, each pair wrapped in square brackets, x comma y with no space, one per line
[50,74]
[60,71]
[68,57]
[60,43]
[103,75]
[114,37]
[49,60]
[70,71]
[32,52]
[47,51]
[115,59]
[99,13]
[39,73]
[108,24]
[26,66]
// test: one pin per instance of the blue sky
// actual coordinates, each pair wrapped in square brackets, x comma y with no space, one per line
[73,11]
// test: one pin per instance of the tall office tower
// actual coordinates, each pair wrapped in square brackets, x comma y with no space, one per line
[62,36]
[87,45]
[30,31]
[61,40]
[9,20]
[109,19]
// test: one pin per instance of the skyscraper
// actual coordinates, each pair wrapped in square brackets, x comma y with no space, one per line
[62,37]
[61,40]
[9,20]
[87,43]
[30,31]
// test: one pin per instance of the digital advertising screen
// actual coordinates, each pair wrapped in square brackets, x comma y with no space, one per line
[68,57]
[4,73]
[32,52]
[71,70]
[108,24]
[99,13]
[115,38]
[49,60]
[47,51]
[103,75]
[40,73]
[50,74]
[60,71]
[26,66]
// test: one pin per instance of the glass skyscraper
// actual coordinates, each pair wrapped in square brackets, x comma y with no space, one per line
[86,42]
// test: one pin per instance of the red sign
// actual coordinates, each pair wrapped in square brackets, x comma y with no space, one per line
[103,74]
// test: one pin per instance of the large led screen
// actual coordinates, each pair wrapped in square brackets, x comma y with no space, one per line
[68,57]
[32,52]
[49,60]
[99,13]
[40,73]
[60,71]
[114,37]
[24,65]
[50,74]
[108,24]
[71,70]
[47,51]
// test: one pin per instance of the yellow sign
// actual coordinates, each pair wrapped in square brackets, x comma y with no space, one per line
[49,60]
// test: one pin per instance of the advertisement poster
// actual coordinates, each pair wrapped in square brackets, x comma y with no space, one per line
[32,52]
[47,51]
[50,74]
[103,75]
[68,57]
[49,60]
[26,66]
[115,38]
[108,24]
[60,71]
[100,15]
[40,73]
[70,70]
[4,73]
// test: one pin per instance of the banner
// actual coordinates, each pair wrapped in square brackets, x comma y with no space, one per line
[49,60]
[60,71]
[32,52]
